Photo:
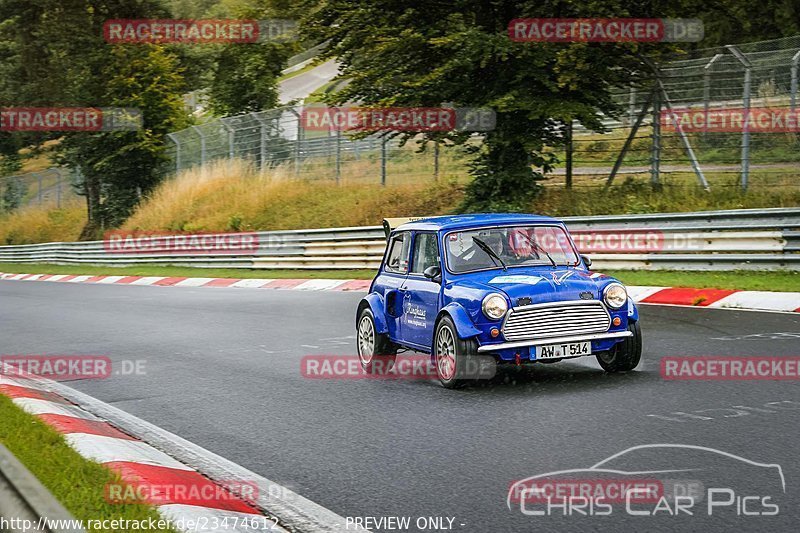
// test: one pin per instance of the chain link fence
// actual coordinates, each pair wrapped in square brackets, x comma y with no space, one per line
[707,84]
[635,147]
[277,137]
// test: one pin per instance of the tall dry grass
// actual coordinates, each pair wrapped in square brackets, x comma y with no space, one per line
[234,196]
[44,223]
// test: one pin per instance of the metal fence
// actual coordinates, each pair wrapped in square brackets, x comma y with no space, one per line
[754,74]
[753,239]
[52,186]
[277,137]
[747,76]
[635,148]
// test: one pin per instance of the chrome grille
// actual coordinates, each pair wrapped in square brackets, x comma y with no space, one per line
[541,321]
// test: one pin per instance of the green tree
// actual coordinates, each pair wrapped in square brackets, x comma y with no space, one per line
[245,77]
[60,59]
[13,193]
[119,167]
[405,54]
[735,22]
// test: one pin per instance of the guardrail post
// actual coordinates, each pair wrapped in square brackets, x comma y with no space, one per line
[793,90]
[202,136]
[746,105]
[707,89]
[172,137]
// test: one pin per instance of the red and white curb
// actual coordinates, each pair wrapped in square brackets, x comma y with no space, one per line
[711,298]
[138,464]
[260,283]
[787,302]
[82,421]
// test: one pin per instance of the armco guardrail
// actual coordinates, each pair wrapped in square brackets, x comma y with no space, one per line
[25,505]
[757,239]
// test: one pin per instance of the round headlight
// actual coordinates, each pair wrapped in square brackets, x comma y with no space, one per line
[615,295]
[495,306]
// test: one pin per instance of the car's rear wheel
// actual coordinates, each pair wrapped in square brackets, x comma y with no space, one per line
[624,355]
[375,351]
[451,354]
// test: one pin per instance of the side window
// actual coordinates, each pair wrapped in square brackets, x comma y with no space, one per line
[426,252]
[397,258]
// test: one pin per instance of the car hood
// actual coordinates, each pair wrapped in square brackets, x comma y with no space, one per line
[543,285]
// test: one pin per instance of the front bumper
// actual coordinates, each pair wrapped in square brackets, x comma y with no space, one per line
[553,340]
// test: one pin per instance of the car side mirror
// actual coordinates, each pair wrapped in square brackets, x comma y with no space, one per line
[586,260]
[433,273]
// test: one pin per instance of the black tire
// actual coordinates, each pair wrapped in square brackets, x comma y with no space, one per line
[378,354]
[450,354]
[625,355]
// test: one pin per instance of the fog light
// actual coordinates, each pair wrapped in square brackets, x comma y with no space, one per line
[494,332]
[617,321]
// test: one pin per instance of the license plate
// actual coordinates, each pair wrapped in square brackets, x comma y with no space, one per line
[570,349]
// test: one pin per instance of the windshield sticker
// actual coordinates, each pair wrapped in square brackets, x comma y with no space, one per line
[533,280]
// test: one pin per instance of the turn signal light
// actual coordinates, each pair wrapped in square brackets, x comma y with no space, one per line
[494,332]
[617,321]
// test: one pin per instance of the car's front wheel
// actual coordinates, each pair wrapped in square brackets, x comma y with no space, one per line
[375,351]
[624,355]
[451,354]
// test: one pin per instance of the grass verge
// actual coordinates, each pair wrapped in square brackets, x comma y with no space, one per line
[77,483]
[745,280]
[739,279]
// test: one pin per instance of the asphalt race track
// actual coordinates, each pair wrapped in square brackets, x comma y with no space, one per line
[223,371]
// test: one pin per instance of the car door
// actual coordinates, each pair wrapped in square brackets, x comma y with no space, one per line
[392,277]
[421,296]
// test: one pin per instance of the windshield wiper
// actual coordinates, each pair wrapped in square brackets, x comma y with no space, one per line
[491,253]
[539,248]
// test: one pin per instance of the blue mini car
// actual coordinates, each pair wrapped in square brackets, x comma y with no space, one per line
[509,286]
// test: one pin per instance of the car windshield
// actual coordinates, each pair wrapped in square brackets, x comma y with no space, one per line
[512,246]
